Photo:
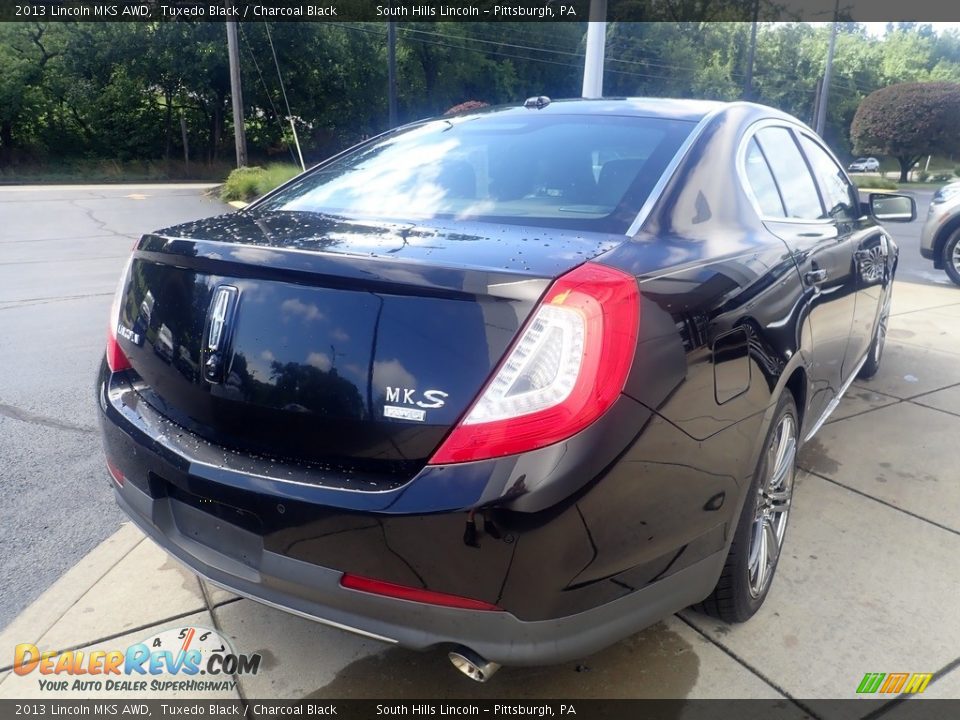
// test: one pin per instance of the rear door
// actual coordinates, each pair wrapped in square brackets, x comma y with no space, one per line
[821,247]
[867,245]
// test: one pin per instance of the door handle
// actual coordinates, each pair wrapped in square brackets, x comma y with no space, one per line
[815,277]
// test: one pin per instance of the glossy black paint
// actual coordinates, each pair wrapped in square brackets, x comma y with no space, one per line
[330,314]
[302,457]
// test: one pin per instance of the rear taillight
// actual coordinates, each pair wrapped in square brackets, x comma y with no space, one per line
[115,473]
[404,592]
[116,358]
[565,370]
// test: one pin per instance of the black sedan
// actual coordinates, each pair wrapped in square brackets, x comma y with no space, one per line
[518,383]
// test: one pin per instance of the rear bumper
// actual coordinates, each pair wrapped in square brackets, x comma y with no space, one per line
[315,592]
[580,550]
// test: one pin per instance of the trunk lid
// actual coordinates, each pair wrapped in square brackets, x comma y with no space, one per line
[311,339]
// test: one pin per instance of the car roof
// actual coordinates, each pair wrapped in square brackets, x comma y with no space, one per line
[668,108]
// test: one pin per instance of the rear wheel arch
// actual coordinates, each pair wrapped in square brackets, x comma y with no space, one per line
[943,236]
[948,254]
[735,598]
[797,385]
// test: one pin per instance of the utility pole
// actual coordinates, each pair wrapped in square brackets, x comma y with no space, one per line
[816,101]
[596,48]
[825,88]
[392,71]
[186,140]
[239,134]
[751,53]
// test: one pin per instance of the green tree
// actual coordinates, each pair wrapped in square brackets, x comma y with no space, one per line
[908,121]
[117,91]
[26,50]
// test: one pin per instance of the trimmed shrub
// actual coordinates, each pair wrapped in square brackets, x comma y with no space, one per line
[248,183]
[874,183]
[907,121]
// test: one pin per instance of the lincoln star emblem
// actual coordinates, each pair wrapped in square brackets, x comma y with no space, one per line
[219,325]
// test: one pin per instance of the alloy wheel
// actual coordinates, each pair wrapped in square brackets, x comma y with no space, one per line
[873,265]
[955,257]
[773,506]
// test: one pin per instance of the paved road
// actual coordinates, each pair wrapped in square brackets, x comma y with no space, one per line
[61,250]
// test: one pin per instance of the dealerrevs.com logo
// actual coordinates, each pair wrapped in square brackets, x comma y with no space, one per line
[190,659]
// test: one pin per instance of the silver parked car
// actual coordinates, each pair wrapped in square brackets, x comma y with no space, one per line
[940,239]
[870,164]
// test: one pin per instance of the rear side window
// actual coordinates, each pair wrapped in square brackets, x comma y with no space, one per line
[570,171]
[761,182]
[837,193]
[790,170]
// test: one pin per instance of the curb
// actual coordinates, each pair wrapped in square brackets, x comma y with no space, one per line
[44,612]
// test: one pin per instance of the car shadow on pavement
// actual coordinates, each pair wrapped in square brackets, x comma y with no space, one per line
[654,663]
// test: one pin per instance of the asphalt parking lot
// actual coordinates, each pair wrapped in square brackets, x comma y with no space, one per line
[869,581]
[61,252]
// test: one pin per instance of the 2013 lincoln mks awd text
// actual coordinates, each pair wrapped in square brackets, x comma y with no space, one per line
[517,383]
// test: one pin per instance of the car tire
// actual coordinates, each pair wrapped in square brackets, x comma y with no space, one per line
[871,365]
[752,562]
[951,257]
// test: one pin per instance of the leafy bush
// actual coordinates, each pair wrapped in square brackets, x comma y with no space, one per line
[874,183]
[922,176]
[956,171]
[248,183]
[908,121]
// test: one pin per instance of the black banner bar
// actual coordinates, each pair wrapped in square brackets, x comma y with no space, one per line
[109,708]
[472,10]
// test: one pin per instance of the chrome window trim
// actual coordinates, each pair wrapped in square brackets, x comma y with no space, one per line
[670,169]
[818,141]
[748,135]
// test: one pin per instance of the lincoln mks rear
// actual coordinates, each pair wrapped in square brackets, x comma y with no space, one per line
[516,383]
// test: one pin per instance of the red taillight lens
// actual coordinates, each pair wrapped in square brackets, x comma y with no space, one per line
[116,359]
[565,370]
[403,592]
[115,473]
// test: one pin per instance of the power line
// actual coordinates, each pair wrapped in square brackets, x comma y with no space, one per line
[276,64]
[266,91]
[570,53]
[293,128]
[497,53]
[442,40]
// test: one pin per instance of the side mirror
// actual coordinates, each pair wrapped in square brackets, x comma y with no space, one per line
[888,207]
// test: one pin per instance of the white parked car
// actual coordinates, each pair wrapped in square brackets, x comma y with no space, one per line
[870,164]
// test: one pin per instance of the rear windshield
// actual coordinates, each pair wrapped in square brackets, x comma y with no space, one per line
[572,171]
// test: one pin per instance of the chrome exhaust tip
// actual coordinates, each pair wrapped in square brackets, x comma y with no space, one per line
[472,665]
